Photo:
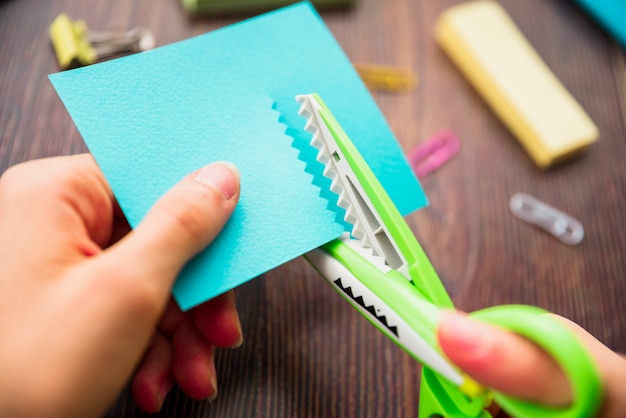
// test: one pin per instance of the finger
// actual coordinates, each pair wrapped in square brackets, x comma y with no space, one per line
[503,361]
[612,368]
[72,194]
[153,378]
[172,318]
[182,223]
[218,321]
[193,366]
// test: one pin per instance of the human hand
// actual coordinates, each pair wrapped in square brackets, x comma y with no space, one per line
[513,365]
[182,351]
[81,297]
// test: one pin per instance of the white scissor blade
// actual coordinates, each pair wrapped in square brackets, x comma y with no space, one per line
[379,313]
[367,226]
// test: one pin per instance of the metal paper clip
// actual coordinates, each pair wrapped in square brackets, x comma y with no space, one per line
[387,79]
[434,152]
[75,45]
[557,223]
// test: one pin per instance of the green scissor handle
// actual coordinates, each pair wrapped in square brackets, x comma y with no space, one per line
[532,323]
[566,349]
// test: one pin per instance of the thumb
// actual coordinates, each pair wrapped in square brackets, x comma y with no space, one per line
[502,360]
[180,225]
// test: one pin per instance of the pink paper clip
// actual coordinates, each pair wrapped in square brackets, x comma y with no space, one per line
[434,152]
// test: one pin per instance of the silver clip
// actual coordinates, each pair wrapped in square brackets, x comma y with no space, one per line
[76,45]
[107,44]
[557,223]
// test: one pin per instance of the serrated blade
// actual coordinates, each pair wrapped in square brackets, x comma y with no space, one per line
[367,227]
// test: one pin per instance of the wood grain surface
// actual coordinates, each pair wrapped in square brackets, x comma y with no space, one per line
[307,353]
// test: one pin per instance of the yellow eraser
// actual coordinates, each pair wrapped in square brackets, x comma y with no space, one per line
[484,42]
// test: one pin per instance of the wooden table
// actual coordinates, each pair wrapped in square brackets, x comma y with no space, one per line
[307,353]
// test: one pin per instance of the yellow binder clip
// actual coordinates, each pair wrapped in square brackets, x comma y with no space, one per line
[388,79]
[76,46]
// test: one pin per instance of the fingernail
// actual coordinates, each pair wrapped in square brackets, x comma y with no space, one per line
[221,176]
[213,396]
[237,322]
[466,334]
[163,391]
[239,341]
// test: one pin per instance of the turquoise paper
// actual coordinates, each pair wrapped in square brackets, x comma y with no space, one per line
[151,118]
[609,13]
